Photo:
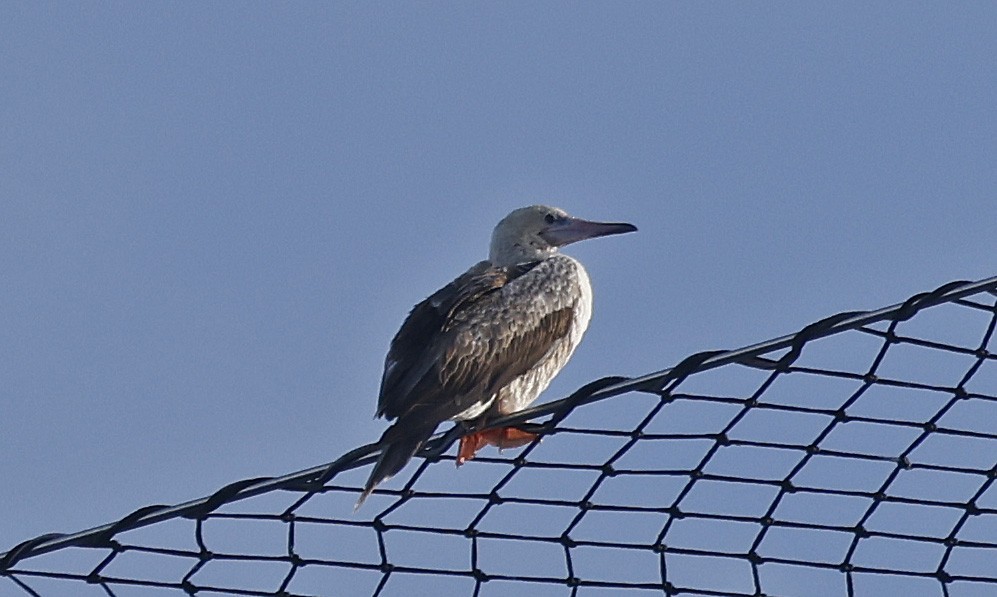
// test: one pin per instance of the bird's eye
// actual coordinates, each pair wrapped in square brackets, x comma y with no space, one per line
[550,218]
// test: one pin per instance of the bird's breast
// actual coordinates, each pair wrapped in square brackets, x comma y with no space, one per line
[568,287]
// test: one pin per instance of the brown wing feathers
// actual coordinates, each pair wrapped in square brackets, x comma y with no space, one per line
[437,368]
[490,366]
[419,340]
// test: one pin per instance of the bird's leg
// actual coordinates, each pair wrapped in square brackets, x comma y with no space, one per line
[501,437]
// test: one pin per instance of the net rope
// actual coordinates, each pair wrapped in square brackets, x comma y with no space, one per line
[855,457]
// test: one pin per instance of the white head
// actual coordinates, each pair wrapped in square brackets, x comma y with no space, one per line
[535,232]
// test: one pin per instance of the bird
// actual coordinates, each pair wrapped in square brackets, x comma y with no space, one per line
[489,342]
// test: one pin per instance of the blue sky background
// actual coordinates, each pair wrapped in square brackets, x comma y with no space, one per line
[213,217]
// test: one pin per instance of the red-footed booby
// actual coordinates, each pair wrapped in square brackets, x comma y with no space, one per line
[488,343]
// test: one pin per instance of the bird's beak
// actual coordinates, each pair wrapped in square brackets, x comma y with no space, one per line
[569,230]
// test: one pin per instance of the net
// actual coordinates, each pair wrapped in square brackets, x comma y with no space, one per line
[856,457]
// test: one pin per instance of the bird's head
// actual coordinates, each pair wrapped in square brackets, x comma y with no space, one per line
[536,232]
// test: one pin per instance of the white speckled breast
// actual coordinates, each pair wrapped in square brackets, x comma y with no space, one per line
[560,282]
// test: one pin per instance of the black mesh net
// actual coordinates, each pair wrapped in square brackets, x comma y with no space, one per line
[856,457]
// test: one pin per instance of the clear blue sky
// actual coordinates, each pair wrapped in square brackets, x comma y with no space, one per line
[213,217]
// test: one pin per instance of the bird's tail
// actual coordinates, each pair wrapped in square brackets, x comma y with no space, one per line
[398,446]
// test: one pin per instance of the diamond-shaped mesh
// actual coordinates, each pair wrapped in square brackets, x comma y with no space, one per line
[856,457]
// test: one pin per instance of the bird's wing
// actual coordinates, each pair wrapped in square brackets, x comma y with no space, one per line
[406,362]
[468,340]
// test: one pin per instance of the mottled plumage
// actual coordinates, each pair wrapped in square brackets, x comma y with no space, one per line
[490,342]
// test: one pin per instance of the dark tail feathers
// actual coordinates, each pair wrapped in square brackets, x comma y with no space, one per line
[398,446]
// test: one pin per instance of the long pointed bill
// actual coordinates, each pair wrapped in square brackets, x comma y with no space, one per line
[570,230]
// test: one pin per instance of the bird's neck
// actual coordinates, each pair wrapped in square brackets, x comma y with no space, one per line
[516,254]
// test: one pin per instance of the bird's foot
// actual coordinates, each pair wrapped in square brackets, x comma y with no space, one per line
[502,438]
